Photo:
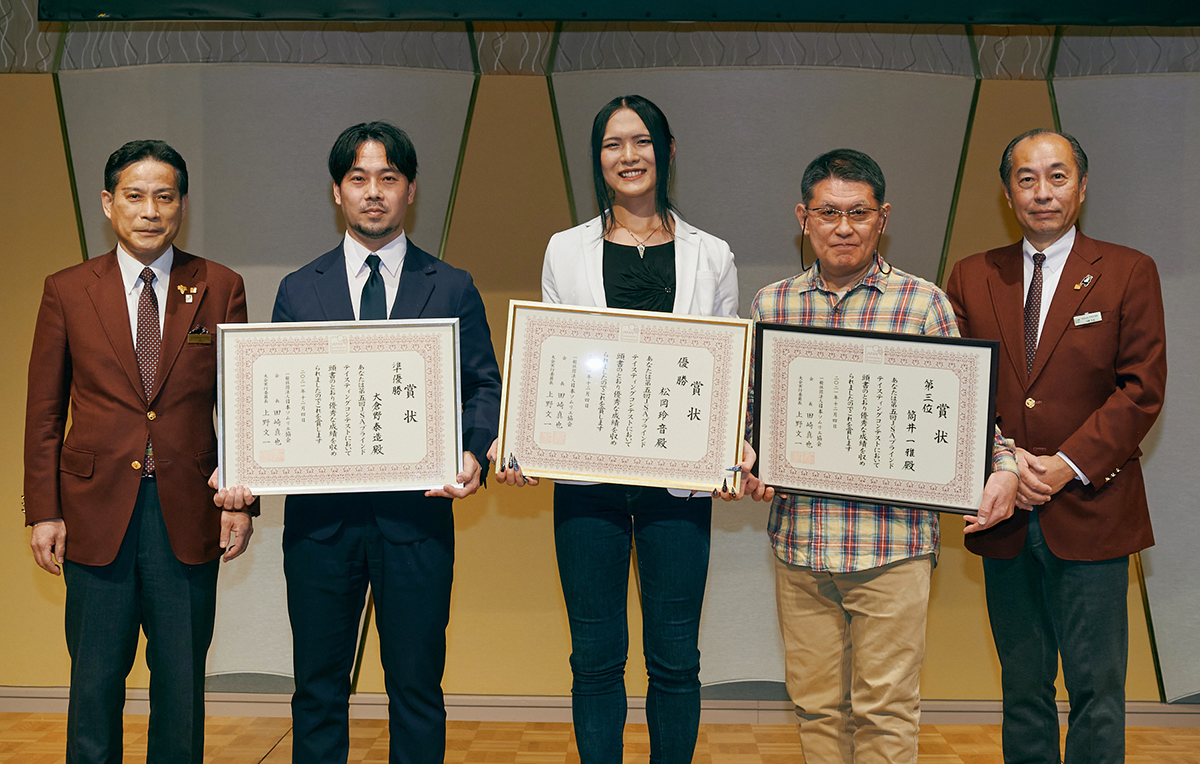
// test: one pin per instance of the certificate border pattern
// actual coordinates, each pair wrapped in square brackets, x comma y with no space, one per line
[957,492]
[399,474]
[710,467]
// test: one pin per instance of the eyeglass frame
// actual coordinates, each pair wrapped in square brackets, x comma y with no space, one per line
[844,214]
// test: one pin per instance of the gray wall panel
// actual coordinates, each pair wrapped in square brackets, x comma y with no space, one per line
[743,138]
[1144,181]
[256,139]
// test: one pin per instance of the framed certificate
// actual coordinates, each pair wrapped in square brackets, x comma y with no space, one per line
[334,407]
[623,396]
[894,419]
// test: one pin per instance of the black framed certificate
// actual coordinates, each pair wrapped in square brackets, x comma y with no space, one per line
[624,396]
[897,419]
[339,407]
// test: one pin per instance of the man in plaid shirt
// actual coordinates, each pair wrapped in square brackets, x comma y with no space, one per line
[852,578]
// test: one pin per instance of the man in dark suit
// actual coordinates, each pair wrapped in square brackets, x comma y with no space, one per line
[1082,375]
[125,340]
[401,543]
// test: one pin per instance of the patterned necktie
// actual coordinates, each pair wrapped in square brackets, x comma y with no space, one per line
[1033,311]
[373,303]
[149,340]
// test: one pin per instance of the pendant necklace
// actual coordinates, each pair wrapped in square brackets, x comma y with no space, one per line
[641,243]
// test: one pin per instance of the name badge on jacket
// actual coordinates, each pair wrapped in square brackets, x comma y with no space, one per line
[1083,319]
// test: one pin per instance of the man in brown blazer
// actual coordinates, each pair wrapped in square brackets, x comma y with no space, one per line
[125,341]
[1081,380]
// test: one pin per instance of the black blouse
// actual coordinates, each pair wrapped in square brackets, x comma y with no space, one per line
[640,283]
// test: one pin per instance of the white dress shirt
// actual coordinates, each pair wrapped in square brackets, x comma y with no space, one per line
[391,258]
[131,278]
[1052,268]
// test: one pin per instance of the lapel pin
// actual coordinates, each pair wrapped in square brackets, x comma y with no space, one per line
[187,298]
[1086,280]
[182,289]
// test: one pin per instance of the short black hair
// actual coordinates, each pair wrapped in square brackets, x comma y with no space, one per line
[396,144]
[843,164]
[1076,150]
[660,137]
[139,151]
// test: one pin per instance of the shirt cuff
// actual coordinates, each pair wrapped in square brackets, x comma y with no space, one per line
[1004,458]
[1078,474]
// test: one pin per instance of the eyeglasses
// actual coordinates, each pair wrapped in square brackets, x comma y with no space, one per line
[831,216]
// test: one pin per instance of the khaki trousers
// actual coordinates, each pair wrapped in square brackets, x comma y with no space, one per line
[854,646]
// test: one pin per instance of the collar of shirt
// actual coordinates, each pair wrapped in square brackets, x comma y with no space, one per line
[131,268]
[875,278]
[1056,255]
[391,256]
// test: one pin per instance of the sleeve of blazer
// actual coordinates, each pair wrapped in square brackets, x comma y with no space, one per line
[481,375]
[726,297]
[235,311]
[954,291]
[1113,432]
[550,290]
[283,306]
[46,408]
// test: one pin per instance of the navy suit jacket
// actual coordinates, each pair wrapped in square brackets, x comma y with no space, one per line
[429,288]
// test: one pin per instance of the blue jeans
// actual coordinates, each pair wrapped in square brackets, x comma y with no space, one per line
[594,527]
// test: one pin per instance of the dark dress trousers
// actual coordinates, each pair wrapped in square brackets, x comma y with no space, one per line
[141,553]
[401,543]
[1057,578]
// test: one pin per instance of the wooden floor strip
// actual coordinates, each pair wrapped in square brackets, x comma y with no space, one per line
[41,738]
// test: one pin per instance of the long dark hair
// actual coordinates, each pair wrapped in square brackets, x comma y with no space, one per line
[660,137]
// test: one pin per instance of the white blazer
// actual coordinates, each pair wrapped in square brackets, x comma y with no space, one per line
[705,276]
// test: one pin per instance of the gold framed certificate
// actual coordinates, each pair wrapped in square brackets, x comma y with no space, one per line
[895,419]
[338,407]
[623,396]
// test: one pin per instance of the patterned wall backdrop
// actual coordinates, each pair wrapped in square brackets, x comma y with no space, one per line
[407,45]
[1091,51]
[26,46]
[937,50]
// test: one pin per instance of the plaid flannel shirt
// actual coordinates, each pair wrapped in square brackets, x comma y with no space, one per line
[844,536]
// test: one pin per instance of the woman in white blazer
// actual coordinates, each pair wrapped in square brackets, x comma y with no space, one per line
[637,254]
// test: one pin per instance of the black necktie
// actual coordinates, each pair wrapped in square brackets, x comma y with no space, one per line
[1033,311]
[374,300]
[149,339]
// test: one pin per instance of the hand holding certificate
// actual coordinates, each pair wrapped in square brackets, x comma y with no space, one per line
[339,407]
[621,396]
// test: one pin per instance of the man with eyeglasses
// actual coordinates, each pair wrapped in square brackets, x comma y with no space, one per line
[852,578]
[1081,381]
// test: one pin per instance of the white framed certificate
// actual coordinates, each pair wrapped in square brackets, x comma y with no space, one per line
[623,396]
[899,419]
[338,407]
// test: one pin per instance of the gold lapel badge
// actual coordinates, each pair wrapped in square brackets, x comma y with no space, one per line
[186,291]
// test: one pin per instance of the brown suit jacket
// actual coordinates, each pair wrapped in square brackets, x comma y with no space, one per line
[1094,391]
[83,354]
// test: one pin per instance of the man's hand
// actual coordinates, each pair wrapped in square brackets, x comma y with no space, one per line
[999,497]
[1041,478]
[1031,491]
[506,476]
[231,497]
[236,530]
[469,477]
[49,544]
